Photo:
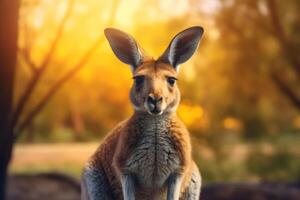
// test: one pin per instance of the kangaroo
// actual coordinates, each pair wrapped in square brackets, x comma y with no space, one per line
[147,156]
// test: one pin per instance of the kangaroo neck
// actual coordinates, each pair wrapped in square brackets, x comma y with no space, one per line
[152,123]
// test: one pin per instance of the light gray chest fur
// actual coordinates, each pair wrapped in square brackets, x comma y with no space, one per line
[154,155]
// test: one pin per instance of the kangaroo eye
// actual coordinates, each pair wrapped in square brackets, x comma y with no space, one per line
[171,80]
[139,80]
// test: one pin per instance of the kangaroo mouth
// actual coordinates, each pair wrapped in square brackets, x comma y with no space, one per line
[156,111]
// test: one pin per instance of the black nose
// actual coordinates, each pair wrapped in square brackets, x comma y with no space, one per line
[154,101]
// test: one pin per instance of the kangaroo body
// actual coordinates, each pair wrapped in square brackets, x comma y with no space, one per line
[148,156]
[155,149]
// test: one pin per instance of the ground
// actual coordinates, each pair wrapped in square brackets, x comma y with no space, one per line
[54,186]
[51,186]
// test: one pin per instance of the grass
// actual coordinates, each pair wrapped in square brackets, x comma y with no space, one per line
[67,158]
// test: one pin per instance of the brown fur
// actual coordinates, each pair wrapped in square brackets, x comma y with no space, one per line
[149,154]
[117,146]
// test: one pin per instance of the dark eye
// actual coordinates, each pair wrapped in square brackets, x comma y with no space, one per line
[139,80]
[171,80]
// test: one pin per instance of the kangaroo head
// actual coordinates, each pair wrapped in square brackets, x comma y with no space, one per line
[154,89]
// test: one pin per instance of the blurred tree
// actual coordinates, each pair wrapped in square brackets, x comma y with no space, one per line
[266,31]
[257,55]
[10,125]
[288,39]
[38,71]
[8,53]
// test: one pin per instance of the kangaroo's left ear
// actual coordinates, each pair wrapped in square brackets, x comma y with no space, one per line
[182,46]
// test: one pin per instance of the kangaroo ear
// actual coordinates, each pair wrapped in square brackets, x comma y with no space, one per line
[182,46]
[124,46]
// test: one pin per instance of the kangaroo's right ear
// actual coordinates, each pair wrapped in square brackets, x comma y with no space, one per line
[124,46]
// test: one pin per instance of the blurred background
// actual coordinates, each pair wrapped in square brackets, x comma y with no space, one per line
[240,91]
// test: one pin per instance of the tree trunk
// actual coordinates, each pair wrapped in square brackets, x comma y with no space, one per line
[8,52]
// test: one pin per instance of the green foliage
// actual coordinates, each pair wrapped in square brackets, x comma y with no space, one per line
[230,158]
[279,166]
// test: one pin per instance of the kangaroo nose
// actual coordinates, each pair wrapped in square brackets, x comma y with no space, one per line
[154,101]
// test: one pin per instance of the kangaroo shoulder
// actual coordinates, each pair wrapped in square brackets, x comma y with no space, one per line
[179,128]
[107,147]
[182,138]
[115,133]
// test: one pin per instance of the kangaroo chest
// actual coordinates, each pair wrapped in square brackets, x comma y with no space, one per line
[154,155]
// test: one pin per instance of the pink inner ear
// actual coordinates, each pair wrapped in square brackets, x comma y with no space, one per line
[182,46]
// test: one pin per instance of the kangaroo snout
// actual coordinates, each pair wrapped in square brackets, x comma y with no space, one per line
[154,105]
